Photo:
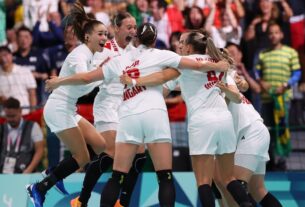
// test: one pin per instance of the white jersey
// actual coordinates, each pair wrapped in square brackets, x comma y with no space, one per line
[141,62]
[243,114]
[111,50]
[109,97]
[78,61]
[198,88]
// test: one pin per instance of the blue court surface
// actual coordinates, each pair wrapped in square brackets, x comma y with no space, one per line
[289,188]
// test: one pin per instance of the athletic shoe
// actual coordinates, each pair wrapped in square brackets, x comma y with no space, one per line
[36,197]
[117,204]
[76,203]
[59,186]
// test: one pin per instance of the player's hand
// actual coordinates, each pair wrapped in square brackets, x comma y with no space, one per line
[280,90]
[223,86]
[125,79]
[239,81]
[52,83]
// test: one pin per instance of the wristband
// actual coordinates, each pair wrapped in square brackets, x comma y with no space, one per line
[134,82]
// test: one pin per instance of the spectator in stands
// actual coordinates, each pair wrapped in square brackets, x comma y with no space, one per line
[175,16]
[58,54]
[194,18]
[32,59]
[191,3]
[38,10]
[53,36]
[166,19]
[139,10]
[115,6]
[278,70]
[11,40]
[160,20]
[97,8]
[235,5]
[21,141]
[256,36]
[230,30]
[16,81]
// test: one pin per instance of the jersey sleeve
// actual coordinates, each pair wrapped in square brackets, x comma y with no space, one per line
[168,59]
[112,69]
[78,64]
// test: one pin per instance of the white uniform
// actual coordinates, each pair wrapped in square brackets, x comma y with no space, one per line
[210,124]
[109,98]
[60,109]
[143,113]
[252,135]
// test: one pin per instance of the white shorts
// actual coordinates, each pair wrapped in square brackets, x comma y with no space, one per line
[148,127]
[211,132]
[251,162]
[105,108]
[102,126]
[60,115]
[254,140]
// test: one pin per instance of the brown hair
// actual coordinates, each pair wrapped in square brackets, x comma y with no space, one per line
[203,44]
[11,103]
[147,34]
[118,19]
[81,23]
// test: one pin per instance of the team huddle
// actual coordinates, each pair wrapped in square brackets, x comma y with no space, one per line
[228,141]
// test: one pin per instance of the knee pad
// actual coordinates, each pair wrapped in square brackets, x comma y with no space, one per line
[138,162]
[105,161]
[164,176]
[167,192]
[244,184]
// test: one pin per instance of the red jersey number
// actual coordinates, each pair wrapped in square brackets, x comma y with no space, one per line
[213,77]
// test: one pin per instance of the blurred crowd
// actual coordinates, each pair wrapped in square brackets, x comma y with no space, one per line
[35,41]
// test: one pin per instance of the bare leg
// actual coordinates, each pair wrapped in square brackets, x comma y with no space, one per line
[91,136]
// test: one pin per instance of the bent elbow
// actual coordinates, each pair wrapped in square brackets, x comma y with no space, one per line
[87,80]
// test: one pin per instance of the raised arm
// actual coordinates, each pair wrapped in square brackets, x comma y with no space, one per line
[205,66]
[231,91]
[154,79]
[77,79]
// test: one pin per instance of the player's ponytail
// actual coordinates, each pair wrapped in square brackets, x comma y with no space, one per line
[147,34]
[81,23]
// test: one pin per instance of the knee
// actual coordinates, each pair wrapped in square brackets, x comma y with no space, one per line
[203,181]
[110,151]
[82,159]
[227,180]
